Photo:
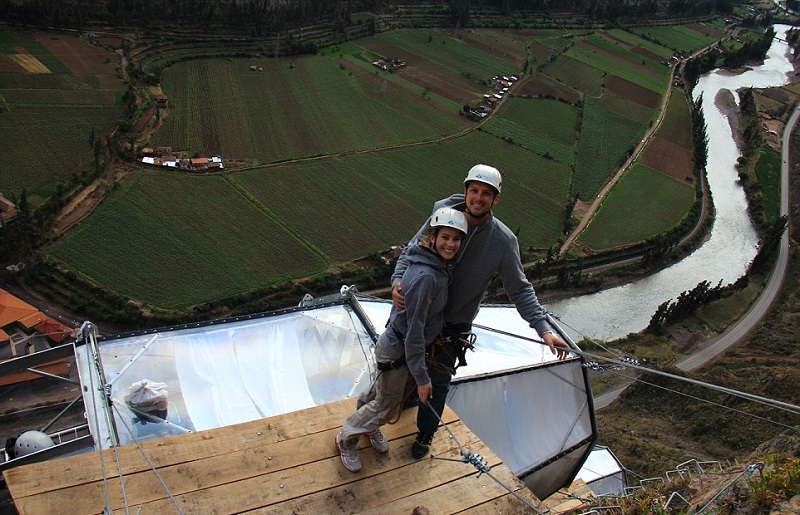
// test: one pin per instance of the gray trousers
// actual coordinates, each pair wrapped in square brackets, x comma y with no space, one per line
[374,406]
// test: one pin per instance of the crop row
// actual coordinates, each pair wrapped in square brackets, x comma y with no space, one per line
[676,124]
[38,97]
[605,140]
[535,141]
[643,75]
[584,77]
[555,119]
[449,53]
[676,37]
[12,41]
[293,111]
[620,220]
[639,42]
[229,245]
[41,144]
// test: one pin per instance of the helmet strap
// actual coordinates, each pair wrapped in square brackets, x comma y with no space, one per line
[476,217]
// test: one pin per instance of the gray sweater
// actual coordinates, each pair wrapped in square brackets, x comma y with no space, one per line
[424,284]
[490,248]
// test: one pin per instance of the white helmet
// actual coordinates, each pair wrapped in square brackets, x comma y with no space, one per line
[449,217]
[30,442]
[485,173]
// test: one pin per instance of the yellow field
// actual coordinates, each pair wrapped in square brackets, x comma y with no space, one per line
[30,63]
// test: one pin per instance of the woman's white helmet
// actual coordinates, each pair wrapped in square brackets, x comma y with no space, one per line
[487,174]
[449,217]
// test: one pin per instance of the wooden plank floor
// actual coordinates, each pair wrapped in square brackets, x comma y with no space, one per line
[282,464]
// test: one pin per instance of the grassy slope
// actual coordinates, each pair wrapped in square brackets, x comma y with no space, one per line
[653,429]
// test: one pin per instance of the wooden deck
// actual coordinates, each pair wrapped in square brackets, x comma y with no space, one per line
[282,464]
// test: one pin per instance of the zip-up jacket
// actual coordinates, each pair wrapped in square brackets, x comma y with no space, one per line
[424,283]
[489,248]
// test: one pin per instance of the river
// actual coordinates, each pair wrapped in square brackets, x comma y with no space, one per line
[616,312]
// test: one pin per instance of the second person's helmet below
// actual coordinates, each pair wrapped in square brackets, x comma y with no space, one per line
[485,173]
[449,217]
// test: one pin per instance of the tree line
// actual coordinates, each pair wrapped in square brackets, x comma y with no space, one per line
[261,17]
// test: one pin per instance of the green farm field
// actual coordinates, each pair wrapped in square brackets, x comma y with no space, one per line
[670,149]
[172,240]
[257,228]
[47,117]
[451,54]
[641,43]
[676,37]
[558,120]
[651,76]
[644,203]
[345,160]
[310,108]
[605,140]
[586,78]
[676,120]
[768,172]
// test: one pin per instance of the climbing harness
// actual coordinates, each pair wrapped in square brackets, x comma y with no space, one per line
[480,464]
[454,344]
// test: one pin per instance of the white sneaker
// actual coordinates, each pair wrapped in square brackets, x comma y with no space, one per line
[378,441]
[349,457]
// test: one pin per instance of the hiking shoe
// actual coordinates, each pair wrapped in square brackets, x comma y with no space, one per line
[421,445]
[378,441]
[349,457]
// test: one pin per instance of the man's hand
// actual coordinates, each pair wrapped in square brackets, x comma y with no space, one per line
[557,346]
[425,392]
[398,299]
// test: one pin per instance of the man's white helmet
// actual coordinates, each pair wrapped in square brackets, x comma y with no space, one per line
[449,217]
[485,173]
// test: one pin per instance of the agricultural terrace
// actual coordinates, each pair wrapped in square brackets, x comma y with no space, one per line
[626,64]
[677,121]
[636,43]
[268,225]
[583,77]
[212,244]
[670,151]
[306,106]
[768,173]
[540,85]
[643,204]
[456,69]
[545,127]
[607,139]
[686,38]
[381,148]
[54,92]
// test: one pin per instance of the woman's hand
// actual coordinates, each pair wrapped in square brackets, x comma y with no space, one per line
[425,392]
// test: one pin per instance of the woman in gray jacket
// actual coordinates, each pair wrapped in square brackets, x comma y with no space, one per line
[401,347]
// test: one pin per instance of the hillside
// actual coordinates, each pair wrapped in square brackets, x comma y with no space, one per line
[340,133]
[660,423]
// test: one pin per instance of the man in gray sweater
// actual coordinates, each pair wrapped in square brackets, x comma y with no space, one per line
[489,248]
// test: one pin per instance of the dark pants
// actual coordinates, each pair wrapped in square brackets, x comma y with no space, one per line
[441,367]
